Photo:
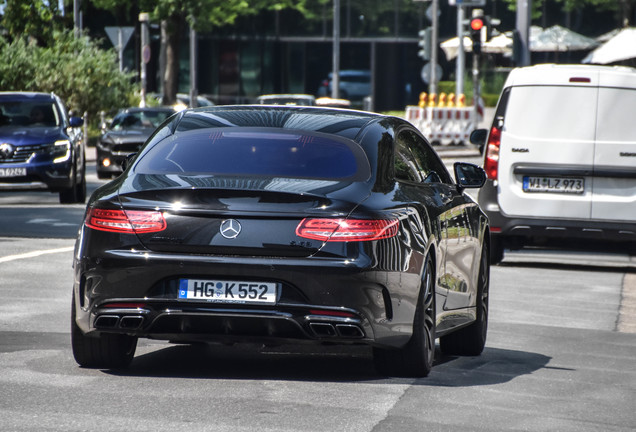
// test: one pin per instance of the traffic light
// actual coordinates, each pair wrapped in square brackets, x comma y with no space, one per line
[477,23]
[425,44]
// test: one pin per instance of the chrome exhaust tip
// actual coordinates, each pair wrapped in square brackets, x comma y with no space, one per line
[323,329]
[106,321]
[131,322]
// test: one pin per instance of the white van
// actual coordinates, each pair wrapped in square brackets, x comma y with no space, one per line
[561,159]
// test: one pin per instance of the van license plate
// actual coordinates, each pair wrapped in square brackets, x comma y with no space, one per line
[12,172]
[224,291]
[573,185]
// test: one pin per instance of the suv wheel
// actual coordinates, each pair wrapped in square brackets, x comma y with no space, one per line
[77,192]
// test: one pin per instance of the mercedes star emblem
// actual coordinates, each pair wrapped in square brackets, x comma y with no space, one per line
[230,228]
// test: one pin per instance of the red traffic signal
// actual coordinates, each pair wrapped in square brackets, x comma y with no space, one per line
[476,24]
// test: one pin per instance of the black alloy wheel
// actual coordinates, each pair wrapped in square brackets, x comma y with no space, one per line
[471,340]
[415,359]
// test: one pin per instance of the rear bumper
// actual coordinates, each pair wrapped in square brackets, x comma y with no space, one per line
[198,322]
[320,300]
[519,231]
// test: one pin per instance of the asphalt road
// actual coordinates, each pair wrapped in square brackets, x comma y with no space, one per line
[558,357]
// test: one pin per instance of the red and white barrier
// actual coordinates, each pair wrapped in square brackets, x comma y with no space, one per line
[443,125]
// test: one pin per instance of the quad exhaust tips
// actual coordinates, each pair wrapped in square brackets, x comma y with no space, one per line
[328,330]
[128,322]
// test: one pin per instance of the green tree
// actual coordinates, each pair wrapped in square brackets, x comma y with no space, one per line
[203,15]
[37,19]
[624,9]
[76,69]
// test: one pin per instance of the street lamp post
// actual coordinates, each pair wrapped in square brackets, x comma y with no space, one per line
[335,76]
[145,55]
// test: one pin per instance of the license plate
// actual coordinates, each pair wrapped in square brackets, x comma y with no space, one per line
[12,172]
[224,291]
[573,185]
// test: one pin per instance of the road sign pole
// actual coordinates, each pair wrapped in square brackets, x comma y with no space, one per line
[432,86]
[460,66]
[145,55]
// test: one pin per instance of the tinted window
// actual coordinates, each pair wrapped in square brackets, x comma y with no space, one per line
[256,153]
[416,161]
[139,119]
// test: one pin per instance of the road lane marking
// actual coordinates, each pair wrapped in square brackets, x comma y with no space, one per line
[627,313]
[35,254]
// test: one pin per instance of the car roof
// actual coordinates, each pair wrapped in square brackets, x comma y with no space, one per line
[147,109]
[585,75]
[27,95]
[343,122]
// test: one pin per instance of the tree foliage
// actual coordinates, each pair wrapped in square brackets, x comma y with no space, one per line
[76,69]
[624,9]
[37,19]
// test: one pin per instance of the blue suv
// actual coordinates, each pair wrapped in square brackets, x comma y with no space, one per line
[41,147]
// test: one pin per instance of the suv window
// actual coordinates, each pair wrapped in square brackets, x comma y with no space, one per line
[416,161]
[256,153]
[29,113]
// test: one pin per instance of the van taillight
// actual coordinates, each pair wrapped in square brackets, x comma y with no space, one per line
[491,163]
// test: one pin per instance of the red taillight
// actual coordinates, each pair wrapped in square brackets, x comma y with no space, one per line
[491,163]
[125,221]
[341,230]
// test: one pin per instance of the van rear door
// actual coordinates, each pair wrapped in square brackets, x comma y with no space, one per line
[614,192]
[546,157]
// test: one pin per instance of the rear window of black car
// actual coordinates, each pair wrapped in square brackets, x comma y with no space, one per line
[256,152]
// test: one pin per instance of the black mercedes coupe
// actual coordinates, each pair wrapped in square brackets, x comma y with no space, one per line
[276,224]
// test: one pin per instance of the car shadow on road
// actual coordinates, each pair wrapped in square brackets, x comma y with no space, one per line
[323,364]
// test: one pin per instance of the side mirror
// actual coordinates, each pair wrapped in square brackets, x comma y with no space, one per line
[478,137]
[76,122]
[126,162]
[469,175]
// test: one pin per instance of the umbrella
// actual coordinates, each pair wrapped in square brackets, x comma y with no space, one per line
[500,44]
[620,47]
[560,39]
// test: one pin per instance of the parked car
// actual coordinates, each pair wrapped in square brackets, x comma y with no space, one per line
[560,159]
[183,101]
[125,135]
[41,147]
[278,224]
[354,85]
[286,99]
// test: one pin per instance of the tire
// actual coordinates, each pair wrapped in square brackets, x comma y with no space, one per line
[106,351]
[496,250]
[102,175]
[77,192]
[471,340]
[415,359]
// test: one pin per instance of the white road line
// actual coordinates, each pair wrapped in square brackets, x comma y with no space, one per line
[627,312]
[35,254]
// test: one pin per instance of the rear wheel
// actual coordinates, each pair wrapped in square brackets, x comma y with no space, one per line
[496,250]
[106,351]
[471,340]
[416,358]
